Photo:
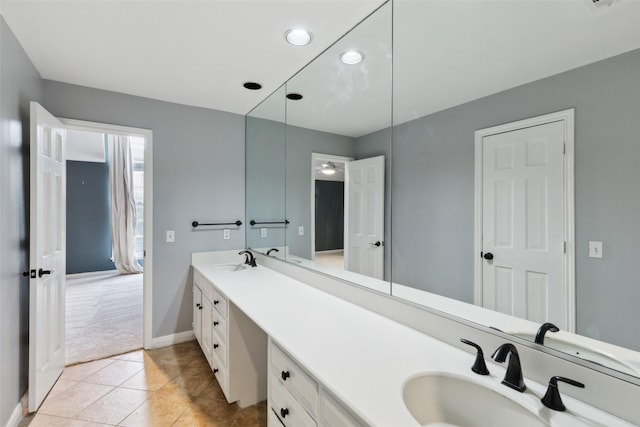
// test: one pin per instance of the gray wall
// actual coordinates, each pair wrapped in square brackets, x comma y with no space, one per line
[301,143]
[20,83]
[198,174]
[265,192]
[432,189]
[88,219]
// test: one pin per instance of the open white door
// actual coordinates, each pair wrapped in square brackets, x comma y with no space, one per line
[47,254]
[364,217]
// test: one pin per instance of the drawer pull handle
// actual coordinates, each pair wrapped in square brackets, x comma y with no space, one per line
[215,370]
[216,346]
[284,412]
[215,323]
[285,375]
[216,302]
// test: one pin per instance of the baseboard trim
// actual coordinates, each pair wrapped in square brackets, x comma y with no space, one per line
[16,416]
[172,339]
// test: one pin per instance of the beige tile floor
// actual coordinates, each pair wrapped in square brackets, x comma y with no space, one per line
[171,386]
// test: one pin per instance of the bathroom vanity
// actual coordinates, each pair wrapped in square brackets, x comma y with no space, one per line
[323,361]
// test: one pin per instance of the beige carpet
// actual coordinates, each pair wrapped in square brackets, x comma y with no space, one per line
[103,316]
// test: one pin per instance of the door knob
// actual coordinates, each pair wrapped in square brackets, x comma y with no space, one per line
[488,256]
[42,272]
[377,244]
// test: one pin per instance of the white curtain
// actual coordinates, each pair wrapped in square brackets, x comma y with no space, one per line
[123,207]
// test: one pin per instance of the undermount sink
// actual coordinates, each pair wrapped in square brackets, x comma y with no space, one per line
[444,400]
[228,267]
[592,355]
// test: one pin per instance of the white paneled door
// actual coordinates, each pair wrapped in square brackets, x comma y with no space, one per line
[523,223]
[364,217]
[47,252]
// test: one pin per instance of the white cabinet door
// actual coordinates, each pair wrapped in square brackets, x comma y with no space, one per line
[47,254]
[197,313]
[206,326]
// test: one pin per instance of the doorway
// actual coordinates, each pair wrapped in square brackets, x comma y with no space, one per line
[327,209]
[524,233]
[120,316]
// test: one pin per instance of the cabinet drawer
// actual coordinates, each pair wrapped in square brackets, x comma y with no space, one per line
[333,414]
[220,303]
[272,419]
[220,349]
[220,326]
[286,407]
[220,372]
[301,385]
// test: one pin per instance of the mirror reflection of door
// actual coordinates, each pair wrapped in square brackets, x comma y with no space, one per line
[525,265]
[348,199]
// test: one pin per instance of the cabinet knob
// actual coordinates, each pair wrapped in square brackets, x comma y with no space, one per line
[198,305]
[216,345]
[215,323]
[216,302]
[215,370]
[284,412]
[285,375]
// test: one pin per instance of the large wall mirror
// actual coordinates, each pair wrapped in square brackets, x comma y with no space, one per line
[509,141]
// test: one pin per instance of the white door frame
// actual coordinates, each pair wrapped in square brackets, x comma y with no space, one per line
[568,117]
[315,157]
[147,134]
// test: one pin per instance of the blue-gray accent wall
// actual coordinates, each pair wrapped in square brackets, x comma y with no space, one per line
[88,218]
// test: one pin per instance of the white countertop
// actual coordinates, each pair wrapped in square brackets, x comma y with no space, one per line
[361,357]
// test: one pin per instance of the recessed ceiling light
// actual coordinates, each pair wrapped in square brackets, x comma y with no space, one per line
[298,37]
[252,85]
[351,57]
[294,96]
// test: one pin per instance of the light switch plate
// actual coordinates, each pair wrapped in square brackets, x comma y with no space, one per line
[301,231]
[171,236]
[595,249]
[263,232]
[227,234]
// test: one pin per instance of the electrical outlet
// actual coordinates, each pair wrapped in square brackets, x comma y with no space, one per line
[227,234]
[301,231]
[171,236]
[263,232]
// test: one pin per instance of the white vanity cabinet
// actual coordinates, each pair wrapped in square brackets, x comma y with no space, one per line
[235,347]
[297,399]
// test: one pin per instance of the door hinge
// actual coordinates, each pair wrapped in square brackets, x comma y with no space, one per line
[564,148]
[564,247]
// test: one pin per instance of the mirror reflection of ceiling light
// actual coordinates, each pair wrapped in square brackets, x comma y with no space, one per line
[351,57]
[298,37]
[328,168]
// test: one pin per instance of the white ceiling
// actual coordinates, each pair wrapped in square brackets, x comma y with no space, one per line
[189,52]
[445,52]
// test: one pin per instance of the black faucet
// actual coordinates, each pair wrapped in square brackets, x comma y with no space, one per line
[479,367]
[513,377]
[272,250]
[248,258]
[552,397]
[543,330]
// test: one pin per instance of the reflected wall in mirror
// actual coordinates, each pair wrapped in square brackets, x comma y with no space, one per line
[265,175]
[341,104]
[460,67]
